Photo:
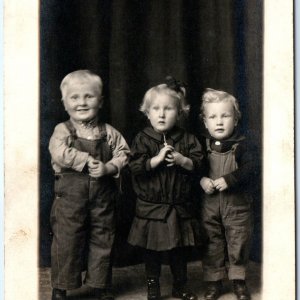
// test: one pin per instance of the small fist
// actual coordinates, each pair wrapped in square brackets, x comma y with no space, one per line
[220,184]
[207,185]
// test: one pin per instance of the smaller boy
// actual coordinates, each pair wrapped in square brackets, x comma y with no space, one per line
[86,154]
[227,209]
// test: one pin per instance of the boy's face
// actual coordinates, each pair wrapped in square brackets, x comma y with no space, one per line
[220,119]
[82,100]
[163,113]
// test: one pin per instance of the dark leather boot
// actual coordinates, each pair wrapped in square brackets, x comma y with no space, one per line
[58,294]
[104,294]
[184,295]
[180,291]
[213,290]
[153,289]
[240,289]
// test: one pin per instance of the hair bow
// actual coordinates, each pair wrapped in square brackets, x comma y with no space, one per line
[174,84]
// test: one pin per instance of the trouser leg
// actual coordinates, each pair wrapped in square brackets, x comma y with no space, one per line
[239,228]
[215,253]
[101,237]
[68,221]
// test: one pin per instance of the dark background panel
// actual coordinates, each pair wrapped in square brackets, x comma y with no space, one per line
[133,45]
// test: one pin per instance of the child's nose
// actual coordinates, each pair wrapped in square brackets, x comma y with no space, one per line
[161,112]
[219,121]
[81,101]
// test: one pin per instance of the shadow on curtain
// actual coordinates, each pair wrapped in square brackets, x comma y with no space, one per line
[133,45]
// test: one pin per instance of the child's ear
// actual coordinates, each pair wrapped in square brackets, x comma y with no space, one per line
[204,121]
[236,122]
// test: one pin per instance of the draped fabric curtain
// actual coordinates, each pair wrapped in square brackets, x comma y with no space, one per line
[133,45]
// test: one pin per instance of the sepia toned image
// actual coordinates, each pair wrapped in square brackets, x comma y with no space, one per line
[117,205]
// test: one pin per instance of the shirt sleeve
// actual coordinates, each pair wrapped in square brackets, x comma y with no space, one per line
[62,153]
[119,147]
[247,161]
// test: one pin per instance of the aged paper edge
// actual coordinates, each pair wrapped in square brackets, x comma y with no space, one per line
[21,112]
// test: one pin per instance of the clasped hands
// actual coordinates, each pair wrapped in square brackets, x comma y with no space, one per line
[209,185]
[172,157]
[96,167]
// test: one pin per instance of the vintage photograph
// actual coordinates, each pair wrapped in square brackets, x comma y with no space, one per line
[176,179]
[154,145]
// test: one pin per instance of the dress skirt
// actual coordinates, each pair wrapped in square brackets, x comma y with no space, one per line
[165,235]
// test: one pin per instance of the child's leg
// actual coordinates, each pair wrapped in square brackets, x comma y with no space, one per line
[101,235]
[178,265]
[215,253]
[68,216]
[238,236]
[153,268]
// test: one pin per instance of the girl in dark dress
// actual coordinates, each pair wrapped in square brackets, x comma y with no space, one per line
[164,158]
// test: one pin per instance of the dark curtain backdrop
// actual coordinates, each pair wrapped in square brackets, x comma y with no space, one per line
[133,45]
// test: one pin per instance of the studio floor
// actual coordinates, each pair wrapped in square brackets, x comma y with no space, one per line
[129,283]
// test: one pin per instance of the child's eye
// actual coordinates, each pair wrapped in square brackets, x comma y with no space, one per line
[155,107]
[90,96]
[74,97]
[211,117]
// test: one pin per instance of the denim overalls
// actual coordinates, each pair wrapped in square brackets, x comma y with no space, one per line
[227,218]
[82,220]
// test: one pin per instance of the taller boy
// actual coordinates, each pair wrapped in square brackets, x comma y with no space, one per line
[86,154]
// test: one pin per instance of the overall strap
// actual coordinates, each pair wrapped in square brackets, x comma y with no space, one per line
[102,130]
[71,128]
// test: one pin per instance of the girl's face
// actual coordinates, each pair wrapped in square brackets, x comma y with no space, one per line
[82,100]
[163,113]
[219,119]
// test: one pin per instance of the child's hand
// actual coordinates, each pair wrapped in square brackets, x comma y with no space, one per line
[96,168]
[174,158]
[160,157]
[220,184]
[164,152]
[207,185]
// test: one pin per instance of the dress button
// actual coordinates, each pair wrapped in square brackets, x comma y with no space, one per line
[217,143]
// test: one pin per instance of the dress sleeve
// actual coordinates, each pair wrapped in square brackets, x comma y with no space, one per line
[120,149]
[62,153]
[140,156]
[196,155]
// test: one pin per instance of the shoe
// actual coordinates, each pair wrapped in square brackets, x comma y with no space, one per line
[104,294]
[213,290]
[240,289]
[58,294]
[183,294]
[153,289]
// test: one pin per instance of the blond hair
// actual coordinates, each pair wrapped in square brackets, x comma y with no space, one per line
[152,93]
[214,96]
[81,75]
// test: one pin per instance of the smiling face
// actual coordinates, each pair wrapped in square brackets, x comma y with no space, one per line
[220,119]
[163,113]
[82,100]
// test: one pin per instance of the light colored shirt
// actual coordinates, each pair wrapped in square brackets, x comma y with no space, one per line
[65,156]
